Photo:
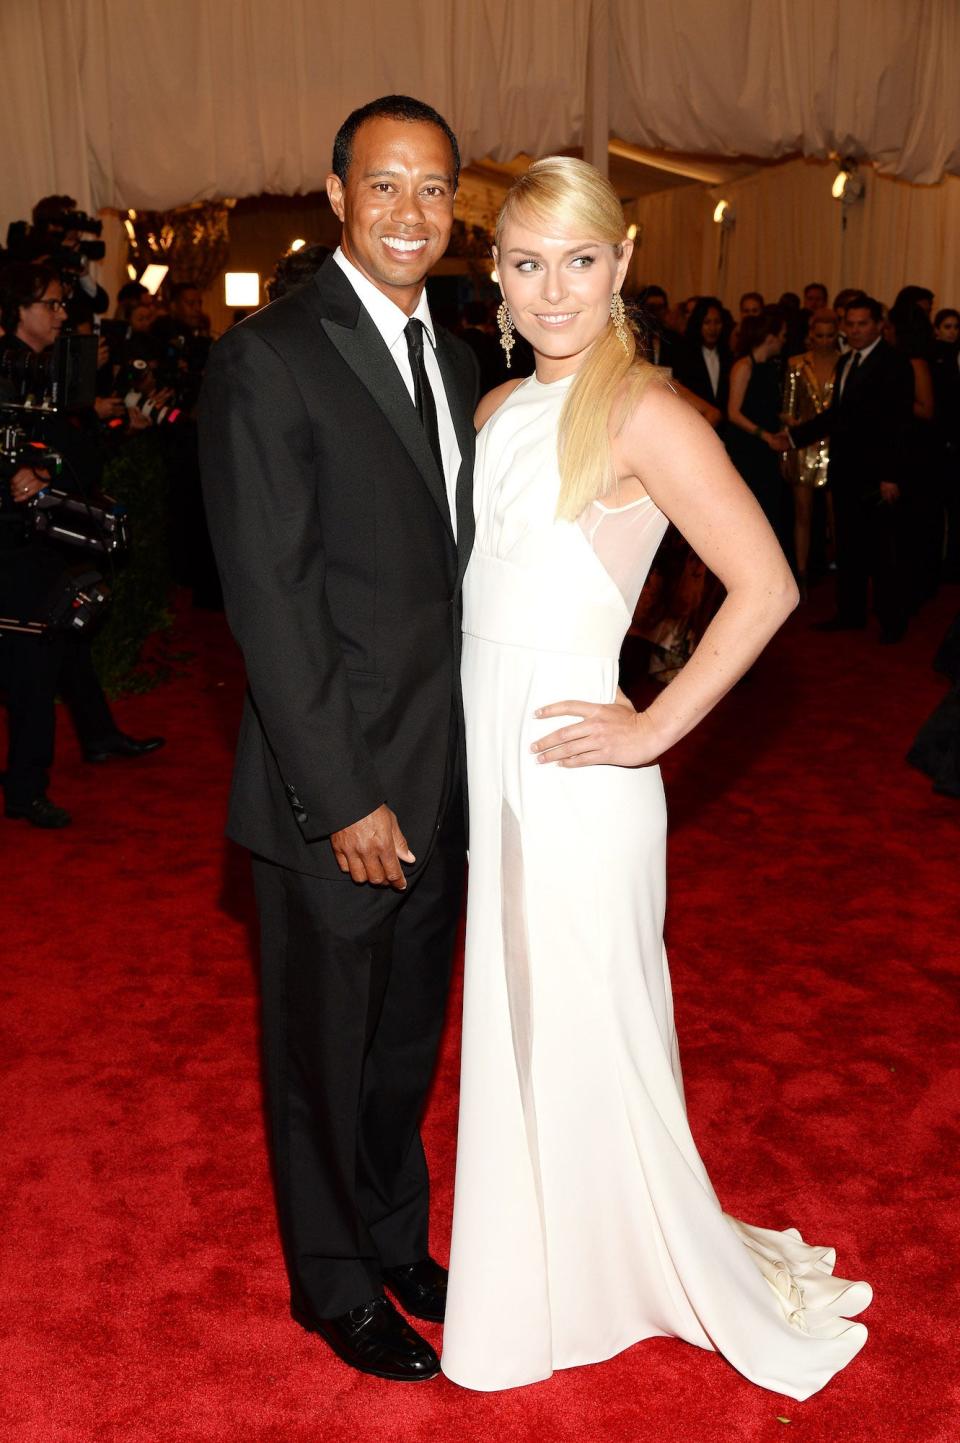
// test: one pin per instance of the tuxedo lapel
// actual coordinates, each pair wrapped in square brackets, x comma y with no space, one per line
[351,330]
[460,402]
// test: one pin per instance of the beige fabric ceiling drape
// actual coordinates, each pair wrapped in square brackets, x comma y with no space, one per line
[138,105]
[789,230]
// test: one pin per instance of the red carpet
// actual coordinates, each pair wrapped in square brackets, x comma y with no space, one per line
[813,940]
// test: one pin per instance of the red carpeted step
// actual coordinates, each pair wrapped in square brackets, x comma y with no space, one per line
[813,943]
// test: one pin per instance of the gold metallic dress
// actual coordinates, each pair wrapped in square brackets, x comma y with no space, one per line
[803,399]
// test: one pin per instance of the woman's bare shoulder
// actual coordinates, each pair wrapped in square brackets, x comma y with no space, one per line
[493,400]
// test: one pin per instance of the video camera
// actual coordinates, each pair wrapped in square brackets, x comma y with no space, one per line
[44,241]
[61,379]
[34,388]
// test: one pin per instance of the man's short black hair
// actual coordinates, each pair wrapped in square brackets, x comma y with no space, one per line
[817,286]
[648,291]
[21,284]
[131,291]
[391,107]
[860,301]
[913,296]
[295,269]
[751,296]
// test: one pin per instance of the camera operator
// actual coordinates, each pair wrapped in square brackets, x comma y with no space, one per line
[58,239]
[34,669]
[183,345]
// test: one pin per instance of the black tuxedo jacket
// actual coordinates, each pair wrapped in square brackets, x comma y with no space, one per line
[690,369]
[868,423]
[341,575]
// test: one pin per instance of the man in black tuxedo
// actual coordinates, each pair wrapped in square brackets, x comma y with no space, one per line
[337,450]
[866,422]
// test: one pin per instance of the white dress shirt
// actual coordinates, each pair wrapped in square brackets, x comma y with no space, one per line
[850,364]
[390,321]
[712,361]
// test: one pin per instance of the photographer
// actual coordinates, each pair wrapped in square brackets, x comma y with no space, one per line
[33,669]
[58,239]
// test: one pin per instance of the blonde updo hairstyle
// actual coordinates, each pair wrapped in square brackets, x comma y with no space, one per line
[561,193]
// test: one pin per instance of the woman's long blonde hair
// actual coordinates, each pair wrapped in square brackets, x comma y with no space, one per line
[561,192]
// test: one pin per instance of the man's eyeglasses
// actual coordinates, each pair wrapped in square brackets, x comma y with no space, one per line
[51,305]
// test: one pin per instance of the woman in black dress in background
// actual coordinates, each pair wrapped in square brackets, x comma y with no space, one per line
[755,435]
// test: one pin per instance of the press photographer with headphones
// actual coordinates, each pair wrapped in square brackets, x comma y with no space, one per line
[33,668]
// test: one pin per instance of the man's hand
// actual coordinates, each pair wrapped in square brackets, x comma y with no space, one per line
[607,735]
[777,440]
[889,492]
[372,849]
[108,408]
[26,482]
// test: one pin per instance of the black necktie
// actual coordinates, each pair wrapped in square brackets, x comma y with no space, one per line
[422,394]
[852,369]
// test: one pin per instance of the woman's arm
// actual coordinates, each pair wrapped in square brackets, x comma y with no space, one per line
[923,403]
[710,414]
[739,380]
[683,466]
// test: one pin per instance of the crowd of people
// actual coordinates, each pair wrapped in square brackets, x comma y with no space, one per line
[844,421]
[857,470]
[148,364]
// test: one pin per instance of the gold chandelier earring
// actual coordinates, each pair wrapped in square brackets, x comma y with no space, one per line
[618,315]
[505,322]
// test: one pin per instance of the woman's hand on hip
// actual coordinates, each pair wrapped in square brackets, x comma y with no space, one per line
[612,735]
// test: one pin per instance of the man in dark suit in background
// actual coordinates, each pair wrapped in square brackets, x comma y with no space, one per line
[661,342]
[337,449]
[866,422]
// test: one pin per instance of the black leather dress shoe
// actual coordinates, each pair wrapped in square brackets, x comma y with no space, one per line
[420,1289]
[375,1339]
[122,746]
[41,812]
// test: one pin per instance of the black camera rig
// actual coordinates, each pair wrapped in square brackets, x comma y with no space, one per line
[45,241]
[34,389]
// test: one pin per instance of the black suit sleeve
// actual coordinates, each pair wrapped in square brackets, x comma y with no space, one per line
[815,429]
[260,484]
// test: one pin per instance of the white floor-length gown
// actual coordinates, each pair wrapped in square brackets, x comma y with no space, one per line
[584,1220]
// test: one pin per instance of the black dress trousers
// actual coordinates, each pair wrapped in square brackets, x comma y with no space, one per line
[354,985]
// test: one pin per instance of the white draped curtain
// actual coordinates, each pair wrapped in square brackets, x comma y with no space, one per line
[125,104]
[789,231]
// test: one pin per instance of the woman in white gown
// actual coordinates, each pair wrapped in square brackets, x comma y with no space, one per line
[584,1219]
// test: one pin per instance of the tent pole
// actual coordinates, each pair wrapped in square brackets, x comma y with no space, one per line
[596,120]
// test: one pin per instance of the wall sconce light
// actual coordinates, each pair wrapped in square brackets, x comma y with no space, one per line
[724,214]
[848,185]
[296,245]
[632,231]
[242,290]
